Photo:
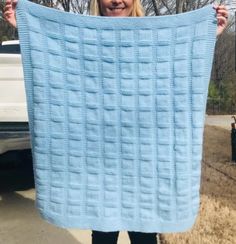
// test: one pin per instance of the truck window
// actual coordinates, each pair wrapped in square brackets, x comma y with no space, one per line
[12,49]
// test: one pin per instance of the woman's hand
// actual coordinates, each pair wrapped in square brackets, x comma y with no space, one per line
[222,18]
[9,12]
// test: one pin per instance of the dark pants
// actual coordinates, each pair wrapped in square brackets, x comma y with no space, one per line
[99,237]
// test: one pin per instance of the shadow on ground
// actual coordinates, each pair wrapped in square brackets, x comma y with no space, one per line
[16,171]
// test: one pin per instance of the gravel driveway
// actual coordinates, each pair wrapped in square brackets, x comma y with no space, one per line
[223,121]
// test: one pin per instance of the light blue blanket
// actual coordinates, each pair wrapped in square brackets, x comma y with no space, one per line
[116,111]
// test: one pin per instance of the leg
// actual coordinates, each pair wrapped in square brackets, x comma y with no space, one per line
[99,237]
[142,238]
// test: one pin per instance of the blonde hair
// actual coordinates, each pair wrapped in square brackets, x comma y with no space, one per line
[137,10]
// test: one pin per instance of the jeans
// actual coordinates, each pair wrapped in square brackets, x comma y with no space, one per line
[99,237]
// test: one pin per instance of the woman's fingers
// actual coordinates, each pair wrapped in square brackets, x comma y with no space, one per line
[7,3]
[223,13]
[221,20]
[10,5]
[7,7]
[6,13]
[9,12]
[221,9]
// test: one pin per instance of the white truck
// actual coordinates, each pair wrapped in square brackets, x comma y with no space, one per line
[14,132]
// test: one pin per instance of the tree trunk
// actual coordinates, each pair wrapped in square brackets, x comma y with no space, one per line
[179,6]
[155,7]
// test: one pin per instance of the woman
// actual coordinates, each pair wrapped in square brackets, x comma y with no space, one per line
[119,8]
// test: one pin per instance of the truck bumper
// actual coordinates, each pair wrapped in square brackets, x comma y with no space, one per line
[14,136]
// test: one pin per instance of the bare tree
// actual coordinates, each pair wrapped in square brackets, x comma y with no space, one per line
[179,6]
[76,6]
[79,6]
[223,71]
[65,4]
[155,7]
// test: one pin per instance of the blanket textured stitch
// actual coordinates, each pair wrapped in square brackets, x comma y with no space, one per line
[116,110]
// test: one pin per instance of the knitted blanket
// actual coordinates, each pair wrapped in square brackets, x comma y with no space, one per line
[116,111]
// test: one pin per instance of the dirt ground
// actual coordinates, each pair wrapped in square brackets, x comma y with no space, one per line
[216,222]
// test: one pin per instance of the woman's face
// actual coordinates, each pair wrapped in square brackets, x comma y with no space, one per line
[116,7]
